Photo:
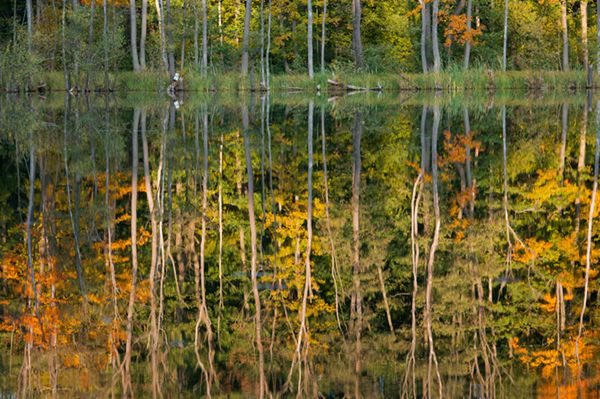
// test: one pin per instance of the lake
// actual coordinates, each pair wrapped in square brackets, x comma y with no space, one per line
[252,245]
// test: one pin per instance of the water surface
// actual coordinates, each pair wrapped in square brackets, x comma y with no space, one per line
[374,245]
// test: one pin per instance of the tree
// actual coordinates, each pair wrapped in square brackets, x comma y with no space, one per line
[133,35]
[309,37]
[468,41]
[584,34]
[204,38]
[505,37]
[565,35]
[437,61]
[246,37]
[323,35]
[356,34]
[29,24]
[143,34]
[425,33]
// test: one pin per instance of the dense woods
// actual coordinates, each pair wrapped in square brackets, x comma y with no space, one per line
[299,198]
[83,38]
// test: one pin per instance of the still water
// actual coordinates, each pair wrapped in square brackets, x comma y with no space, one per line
[392,245]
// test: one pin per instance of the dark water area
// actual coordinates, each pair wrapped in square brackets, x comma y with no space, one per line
[371,245]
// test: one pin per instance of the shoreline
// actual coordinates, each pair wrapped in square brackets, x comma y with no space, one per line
[476,80]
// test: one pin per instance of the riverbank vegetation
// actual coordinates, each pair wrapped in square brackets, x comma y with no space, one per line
[296,45]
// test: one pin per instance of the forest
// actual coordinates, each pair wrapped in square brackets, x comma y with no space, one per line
[410,44]
[310,199]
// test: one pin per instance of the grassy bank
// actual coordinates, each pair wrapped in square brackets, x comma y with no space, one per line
[453,80]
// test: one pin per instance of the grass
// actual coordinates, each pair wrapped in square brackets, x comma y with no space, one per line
[454,79]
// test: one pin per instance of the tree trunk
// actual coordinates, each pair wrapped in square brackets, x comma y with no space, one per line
[196,47]
[425,32]
[220,20]
[267,53]
[142,53]
[356,34]
[309,38]
[468,43]
[105,44]
[161,29]
[323,36]
[565,35]
[29,24]
[437,61]
[169,32]
[204,39]
[246,37]
[505,39]
[262,47]
[584,34]
[133,34]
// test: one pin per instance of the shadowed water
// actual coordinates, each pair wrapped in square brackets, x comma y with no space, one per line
[371,245]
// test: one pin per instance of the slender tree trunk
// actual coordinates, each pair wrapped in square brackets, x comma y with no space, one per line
[424,34]
[263,77]
[63,47]
[29,24]
[220,21]
[246,37]
[584,34]
[196,33]
[437,61]
[356,34]
[143,33]
[169,32]
[90,44]
[468,43]
[323,35]
[133,35]
[204,39]
[267,53]
[309,38]
[262,383]
[505,38]
[183,33]
[105,44]
[565,35]
[161,28]
[134,259]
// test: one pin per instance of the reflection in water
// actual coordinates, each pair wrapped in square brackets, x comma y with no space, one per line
[444,247]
